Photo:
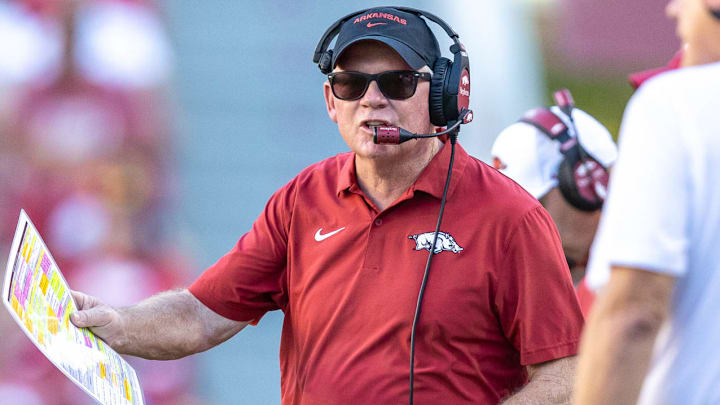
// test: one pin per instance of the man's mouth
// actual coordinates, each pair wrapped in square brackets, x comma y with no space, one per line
[375,123]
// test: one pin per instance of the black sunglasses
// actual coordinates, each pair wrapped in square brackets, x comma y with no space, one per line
[393,84]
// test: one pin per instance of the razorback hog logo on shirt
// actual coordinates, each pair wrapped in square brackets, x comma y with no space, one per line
[444,242]
[380,15]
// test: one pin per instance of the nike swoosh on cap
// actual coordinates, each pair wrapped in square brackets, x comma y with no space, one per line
[370,25]
[321,237]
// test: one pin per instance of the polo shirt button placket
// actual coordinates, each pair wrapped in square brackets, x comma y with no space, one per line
[374,245]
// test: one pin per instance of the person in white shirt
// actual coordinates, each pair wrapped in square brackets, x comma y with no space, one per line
[652,336]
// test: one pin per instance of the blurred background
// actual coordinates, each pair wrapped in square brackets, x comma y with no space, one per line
[143,138]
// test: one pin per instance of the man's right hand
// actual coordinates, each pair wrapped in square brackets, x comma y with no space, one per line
[102,319]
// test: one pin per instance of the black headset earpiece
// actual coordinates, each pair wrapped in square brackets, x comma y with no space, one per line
[450,83]
[450,87]
[437,91]
[579,176]
[582,179]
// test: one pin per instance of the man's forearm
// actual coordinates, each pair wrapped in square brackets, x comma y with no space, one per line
[619,337]
[549,384]
[615,358]
[538,392]
[168,326]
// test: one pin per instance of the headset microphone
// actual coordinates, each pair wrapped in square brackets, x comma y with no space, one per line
[397,135]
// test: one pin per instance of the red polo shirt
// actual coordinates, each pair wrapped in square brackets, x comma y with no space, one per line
[499,295]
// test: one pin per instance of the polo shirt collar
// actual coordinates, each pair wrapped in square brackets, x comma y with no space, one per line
[432,178]
[346,180]
[430,181]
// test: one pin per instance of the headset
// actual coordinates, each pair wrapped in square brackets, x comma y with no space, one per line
[450,83]
[582,179]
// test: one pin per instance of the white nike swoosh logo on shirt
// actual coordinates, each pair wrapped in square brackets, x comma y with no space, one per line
[320,237]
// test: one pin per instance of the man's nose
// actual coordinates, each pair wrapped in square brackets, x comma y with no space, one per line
[373,96]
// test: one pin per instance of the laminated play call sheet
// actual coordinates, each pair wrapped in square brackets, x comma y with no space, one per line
[39,299]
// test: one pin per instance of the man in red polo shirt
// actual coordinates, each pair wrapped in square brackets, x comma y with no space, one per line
[340,250]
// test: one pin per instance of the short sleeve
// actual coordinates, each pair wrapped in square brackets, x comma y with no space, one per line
[536,302]
[250,280]
[645,219]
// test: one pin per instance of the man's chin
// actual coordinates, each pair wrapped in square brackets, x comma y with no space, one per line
[375,151]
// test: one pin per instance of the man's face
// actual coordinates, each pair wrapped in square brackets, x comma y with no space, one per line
[694,21]
[355,118]
[576,228]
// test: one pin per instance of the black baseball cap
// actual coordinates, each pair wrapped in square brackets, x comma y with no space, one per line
[406,33]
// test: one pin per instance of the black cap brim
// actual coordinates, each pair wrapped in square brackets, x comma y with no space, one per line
[411,57]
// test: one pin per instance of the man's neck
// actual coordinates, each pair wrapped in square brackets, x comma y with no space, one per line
[700,53]
[384,181]
[577,228]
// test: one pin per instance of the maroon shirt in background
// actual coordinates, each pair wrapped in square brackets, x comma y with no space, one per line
[498,298]
[637,79]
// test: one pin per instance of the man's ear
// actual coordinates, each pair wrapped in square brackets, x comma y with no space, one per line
[330,102]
